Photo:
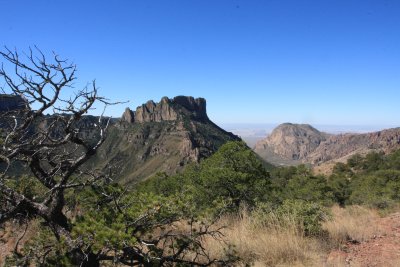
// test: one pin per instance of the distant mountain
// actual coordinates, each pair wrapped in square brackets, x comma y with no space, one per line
[343,145]
[291,144]
[160,137]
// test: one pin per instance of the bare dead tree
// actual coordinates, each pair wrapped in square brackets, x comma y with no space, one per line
[51,147]
[54,150]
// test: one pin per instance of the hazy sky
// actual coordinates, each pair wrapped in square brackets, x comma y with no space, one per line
[319,62]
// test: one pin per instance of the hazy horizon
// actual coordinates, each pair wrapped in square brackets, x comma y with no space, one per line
[253,132]
[329,128]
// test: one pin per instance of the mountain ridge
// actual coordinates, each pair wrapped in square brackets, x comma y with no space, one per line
[291,144]
[155,137]
[167,110]
[160,137]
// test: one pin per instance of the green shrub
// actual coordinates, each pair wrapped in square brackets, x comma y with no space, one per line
[380,189]
[308,215]
[233,176]
[309,187]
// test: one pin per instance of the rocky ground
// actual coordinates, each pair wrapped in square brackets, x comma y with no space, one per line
[376,252]
[12,235]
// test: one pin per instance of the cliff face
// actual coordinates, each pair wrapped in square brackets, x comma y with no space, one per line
[168,110]
[298,143]
[160,137]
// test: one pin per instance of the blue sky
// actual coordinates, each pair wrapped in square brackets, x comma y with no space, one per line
[319,62]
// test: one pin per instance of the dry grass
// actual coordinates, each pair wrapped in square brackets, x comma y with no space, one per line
[354,223]
[271,242]
[279,241]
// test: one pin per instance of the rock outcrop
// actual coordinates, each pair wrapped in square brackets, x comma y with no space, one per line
[168,110]
[128,116]
[195,106]
[160,137]
[291,144]
[344,145]
[293,141]
[11,102]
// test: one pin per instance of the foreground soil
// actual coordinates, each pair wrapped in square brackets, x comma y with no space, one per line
[378,251]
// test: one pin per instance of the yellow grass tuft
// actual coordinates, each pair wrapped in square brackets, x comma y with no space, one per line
[279,241]
[353,223]
[272,242]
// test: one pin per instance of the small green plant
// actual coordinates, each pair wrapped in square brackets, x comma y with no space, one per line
[308,215]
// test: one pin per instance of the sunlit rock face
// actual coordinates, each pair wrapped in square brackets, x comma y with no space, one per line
[160,137]
[291,144]
[167,110]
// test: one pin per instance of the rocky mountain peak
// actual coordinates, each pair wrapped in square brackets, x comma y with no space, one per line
[128,116]
[291,141]
[301,143]
[142,147]
[167,110]
[197,106]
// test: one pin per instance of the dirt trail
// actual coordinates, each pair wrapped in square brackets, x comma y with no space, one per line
[376,252]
